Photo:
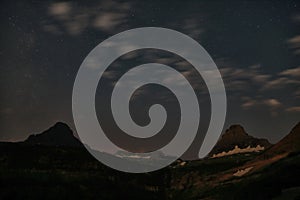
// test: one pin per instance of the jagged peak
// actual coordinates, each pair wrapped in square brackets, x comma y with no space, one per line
[60,125]
[235,130]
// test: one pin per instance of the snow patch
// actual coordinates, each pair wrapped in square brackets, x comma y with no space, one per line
[242,172]
[237,150]
[134,156]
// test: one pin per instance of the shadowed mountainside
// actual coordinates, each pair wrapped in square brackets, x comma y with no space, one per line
[289,144]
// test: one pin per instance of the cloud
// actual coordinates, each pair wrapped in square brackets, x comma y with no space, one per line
[261,78]
[252,78]
[291,72]
[60,10]
[284,79]
[244,79]
[251,73]
[279,83]
[271,103]
[294,43]
[110,74]
[248,104]
[192,27]
[293,109]
[109,20]
[67,17]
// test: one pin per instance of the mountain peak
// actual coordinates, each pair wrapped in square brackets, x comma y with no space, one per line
[235,130]
[60,134]
[61,124]
[236,126]
[60,127]
[235,137]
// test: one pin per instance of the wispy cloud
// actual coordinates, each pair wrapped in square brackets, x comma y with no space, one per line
[61,10]
[271,103]
[193,27]
[279,83]
[260,87]
[295,72]
[284,79]
[244,79]
[293,109]
[69,18]
[294,43]
[109,20]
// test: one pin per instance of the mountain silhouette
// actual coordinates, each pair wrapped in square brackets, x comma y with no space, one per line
[58,135]
[48,159]
[236,138]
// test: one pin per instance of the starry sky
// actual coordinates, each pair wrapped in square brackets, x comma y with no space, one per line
[255,44]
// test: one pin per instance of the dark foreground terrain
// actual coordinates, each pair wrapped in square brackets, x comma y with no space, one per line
[40,171]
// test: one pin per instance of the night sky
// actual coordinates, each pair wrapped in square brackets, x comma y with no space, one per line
[255,44]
